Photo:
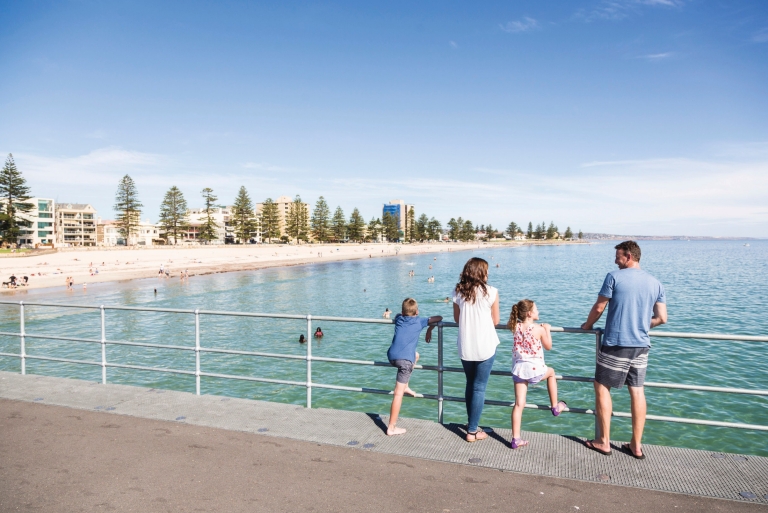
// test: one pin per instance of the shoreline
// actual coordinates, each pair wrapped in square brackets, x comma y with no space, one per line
[49,270]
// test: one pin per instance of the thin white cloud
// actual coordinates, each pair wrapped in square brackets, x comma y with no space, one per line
[656,56]
[761,36]
[264,166]
[523,25]
[613,10]
[453,44]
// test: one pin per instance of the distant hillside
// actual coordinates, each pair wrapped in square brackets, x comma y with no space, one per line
[609,236]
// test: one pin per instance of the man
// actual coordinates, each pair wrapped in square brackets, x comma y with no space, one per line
[636,303]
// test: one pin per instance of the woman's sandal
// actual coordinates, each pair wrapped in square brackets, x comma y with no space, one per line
[559,408]
[516,443]
[477,436]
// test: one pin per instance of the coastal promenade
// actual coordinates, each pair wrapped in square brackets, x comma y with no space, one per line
[71,445]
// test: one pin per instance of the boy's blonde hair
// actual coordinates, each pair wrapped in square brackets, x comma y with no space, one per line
[410,307]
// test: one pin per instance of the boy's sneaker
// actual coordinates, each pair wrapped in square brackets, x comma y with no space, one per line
[516,443]
[557,410]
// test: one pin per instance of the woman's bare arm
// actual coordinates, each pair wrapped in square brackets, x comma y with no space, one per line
[495,311]
[456,312]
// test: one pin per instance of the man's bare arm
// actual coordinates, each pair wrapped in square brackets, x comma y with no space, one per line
[659,315]
[596,312]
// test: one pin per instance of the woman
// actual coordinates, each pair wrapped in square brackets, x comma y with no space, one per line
[318,333]
[476,309]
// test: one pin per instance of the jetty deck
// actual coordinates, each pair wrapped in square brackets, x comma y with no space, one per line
[139,449]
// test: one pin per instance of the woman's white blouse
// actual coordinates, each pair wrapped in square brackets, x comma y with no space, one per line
[477,334]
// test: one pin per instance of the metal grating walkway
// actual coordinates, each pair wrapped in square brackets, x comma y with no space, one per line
[670,469]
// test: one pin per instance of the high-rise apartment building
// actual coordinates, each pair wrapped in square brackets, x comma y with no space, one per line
[37,225]
[398,209]
[283,208]
[75,224]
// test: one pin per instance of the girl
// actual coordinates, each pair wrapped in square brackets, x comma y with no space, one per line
[529,368]
[476,309]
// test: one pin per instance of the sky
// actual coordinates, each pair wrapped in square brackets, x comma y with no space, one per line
[642,117]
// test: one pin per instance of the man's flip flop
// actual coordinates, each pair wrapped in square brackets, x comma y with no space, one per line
[591,445]
[626,448]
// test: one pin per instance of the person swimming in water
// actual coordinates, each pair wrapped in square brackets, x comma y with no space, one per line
[302,340]
[318,333]
[387,313]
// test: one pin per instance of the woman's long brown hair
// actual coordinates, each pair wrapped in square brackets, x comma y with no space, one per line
[473,276]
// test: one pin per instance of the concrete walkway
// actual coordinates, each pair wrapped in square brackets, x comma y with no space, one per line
[132,449]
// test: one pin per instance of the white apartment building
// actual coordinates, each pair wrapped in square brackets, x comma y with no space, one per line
[146,234]
[283,208]
[225,232]
[75,224]
[107,233]
[37,226]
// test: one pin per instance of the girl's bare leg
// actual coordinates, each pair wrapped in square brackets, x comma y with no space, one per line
[521,390]
[551,386]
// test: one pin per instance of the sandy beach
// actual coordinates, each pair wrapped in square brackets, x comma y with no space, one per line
[93,265]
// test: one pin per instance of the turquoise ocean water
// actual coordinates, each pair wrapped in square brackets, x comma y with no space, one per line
[711,287]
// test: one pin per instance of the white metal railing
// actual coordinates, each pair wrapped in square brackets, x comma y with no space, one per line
[308,358]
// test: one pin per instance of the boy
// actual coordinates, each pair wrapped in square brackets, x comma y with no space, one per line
[402,354]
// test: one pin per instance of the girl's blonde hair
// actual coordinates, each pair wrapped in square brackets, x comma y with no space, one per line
[473,275]
[519,313]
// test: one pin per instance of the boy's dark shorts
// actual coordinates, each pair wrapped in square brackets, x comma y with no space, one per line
[404,370]
[618,366]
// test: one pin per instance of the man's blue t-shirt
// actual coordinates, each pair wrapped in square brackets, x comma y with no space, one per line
[632,293]
[407,331]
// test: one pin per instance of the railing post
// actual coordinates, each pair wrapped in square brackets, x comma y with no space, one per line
[309,361]
[598,343]
[197,351]
[103,347]
[440,372]
[23,349]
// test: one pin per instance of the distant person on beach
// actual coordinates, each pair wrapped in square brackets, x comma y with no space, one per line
[302,340]
[402,354]
[528,368]
[387,313]
[636,303]
[318,333]
[476,309]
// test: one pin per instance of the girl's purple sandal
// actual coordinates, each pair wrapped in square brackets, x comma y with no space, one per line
[516,443]
[557,410]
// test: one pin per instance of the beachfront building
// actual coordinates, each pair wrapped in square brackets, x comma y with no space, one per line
[36,227]
[107,233]
[283,208]
[75,224]
[147,234]
[225,231]
[398,209]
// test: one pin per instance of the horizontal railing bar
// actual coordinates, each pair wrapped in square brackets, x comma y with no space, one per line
[53,337]
[151,369]
[260,380]
[663,334]
[12,355]
[252,353]
[708,336]
[352,319]
[146,344]
[65,360]
[249,314]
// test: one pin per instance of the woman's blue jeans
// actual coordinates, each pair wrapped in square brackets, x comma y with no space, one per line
[477,380]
